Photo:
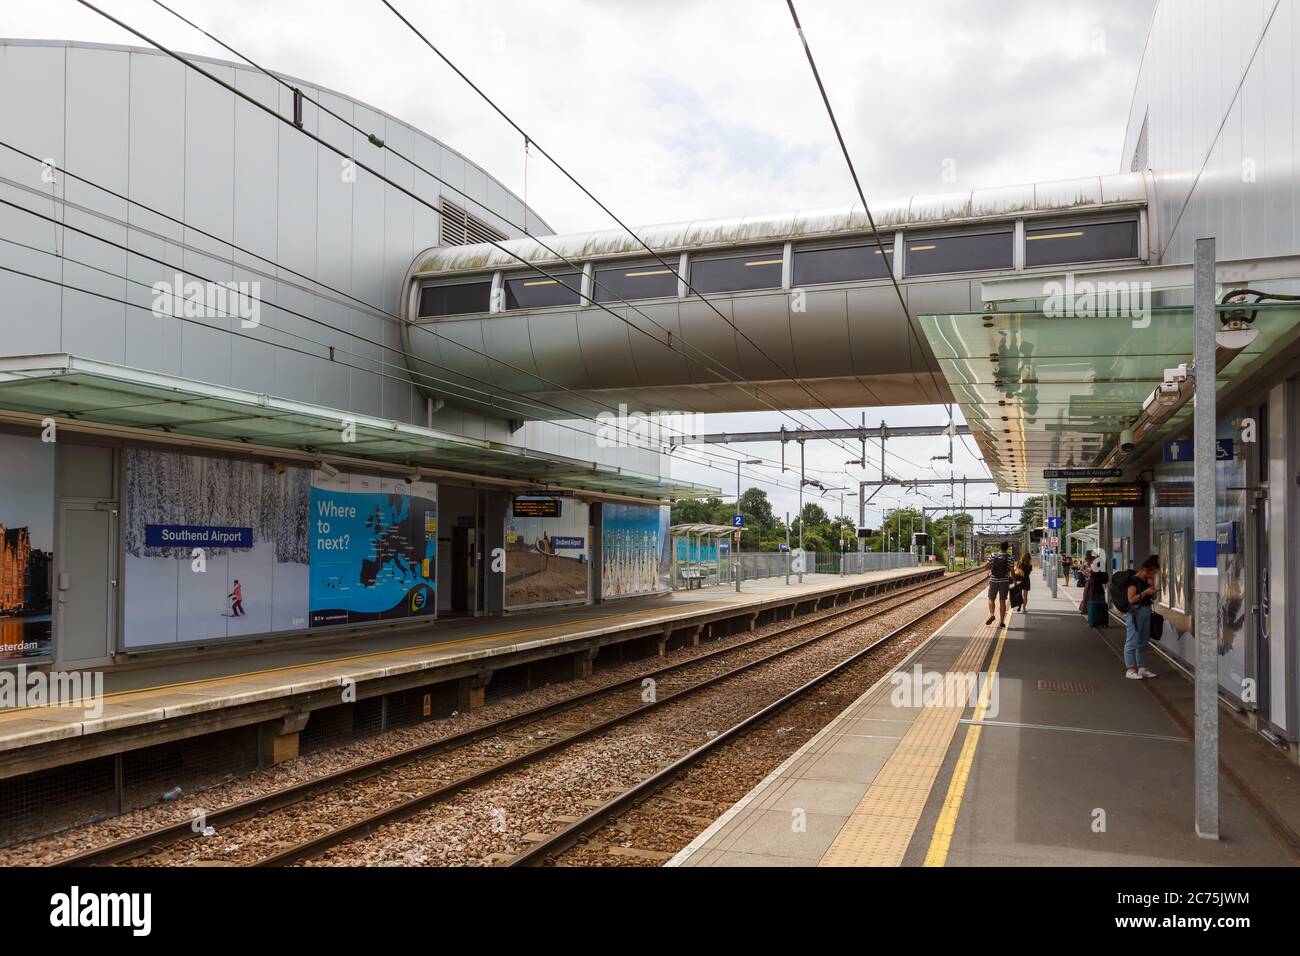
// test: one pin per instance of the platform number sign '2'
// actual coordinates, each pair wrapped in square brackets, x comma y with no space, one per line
[738,521]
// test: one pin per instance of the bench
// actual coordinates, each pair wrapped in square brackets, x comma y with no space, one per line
[693,577]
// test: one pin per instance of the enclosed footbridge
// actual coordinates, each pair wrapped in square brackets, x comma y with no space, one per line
[743,314]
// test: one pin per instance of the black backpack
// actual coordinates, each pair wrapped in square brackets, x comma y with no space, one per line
[1119,585]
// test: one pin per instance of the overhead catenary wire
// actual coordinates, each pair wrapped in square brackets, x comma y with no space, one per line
[325,347]
[531,141]
[736,379]
[367,306]
[280,345]
[450,386]
[757,390]
[857,183]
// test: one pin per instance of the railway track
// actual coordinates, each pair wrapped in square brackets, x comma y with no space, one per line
[551,850]
[160,844]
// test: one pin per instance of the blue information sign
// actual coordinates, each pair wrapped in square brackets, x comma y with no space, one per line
[1054,523]
[1226,535]
[196,536]
[1184,449]
[738,521]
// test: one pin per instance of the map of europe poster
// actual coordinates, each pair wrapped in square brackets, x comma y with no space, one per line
[373,546]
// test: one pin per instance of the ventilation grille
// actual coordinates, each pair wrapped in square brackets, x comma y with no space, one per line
[459,228]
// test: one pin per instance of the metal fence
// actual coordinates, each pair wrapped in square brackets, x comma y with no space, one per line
[775,564]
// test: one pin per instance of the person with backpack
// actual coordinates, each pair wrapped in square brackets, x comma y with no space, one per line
[1132,593]
[999,568]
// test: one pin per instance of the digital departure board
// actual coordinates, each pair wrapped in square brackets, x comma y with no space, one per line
[1175,494]
[536,507]
[1106,494]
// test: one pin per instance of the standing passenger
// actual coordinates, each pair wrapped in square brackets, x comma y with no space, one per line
[999,569]
[1024,572]
[1142,592]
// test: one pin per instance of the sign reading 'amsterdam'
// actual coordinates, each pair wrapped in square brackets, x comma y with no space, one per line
[196,536]
[1108,494]
[536,508]
[1082,472]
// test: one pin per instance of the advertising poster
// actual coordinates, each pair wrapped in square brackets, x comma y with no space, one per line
[1234,599]
[634,549]
[690,552]
[215,548]
[26,546]
[546,558]
[374,549]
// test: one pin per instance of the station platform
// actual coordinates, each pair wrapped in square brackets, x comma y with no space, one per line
[147,703]
[1056,759]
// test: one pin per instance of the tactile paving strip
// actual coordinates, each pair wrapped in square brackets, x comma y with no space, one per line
[1067,686]
[880,828]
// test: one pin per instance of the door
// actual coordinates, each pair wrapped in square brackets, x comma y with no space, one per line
[85,584]
[463,577]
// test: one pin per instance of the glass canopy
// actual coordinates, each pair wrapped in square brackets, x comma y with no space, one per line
[67,387]
[1039,391]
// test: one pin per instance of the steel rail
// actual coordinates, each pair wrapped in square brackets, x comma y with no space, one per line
[136,845]
[315,846]
[545,852]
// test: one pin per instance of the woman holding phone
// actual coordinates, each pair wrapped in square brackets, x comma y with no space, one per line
[1142,592]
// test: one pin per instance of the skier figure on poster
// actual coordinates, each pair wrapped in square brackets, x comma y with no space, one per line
[236,600]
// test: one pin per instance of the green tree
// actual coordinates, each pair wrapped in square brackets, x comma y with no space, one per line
[763,530]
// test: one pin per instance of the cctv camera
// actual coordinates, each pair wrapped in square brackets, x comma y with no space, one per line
[326,469]
[1126,442]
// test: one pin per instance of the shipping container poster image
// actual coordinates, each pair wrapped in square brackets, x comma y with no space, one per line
[26,546]
[546,558]
[374,549]
[634,549]
[215,548]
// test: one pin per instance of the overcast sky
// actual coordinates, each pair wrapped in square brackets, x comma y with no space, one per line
[676,110]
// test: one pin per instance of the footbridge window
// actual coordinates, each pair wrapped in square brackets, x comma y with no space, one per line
[537,291]
[971,252]
[459,298]
[1081,242]
[647,280]
[753,270]
[841,264]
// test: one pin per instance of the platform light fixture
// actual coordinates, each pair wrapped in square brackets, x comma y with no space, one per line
[1236,333]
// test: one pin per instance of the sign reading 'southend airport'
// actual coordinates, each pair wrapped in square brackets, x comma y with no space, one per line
[1106,494]
[196,536]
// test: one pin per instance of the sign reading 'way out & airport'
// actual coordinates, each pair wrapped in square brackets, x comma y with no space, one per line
[1081,472]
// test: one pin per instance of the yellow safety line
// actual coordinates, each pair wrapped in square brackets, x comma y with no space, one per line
[880,828]
[946,825]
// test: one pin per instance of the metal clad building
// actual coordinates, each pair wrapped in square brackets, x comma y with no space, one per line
[201,344]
